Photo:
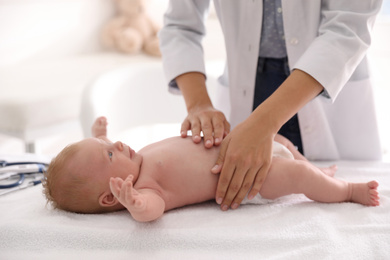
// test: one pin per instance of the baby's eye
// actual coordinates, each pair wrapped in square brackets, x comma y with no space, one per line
[110,155]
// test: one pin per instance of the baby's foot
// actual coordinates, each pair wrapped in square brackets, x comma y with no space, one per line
[330,171]
[99,127]
[364,193]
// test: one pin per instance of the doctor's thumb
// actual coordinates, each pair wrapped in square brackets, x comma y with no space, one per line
[217,168]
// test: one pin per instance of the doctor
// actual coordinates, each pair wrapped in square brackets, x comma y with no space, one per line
[296,67]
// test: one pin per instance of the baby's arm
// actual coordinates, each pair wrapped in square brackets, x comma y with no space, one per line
[99,129]
[143,204]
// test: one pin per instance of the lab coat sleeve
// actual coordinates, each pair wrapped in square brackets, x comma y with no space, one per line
[344,36]
[181,38]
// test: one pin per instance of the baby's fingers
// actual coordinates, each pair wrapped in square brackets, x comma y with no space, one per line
[128,185]
[115,186]
[128,193]
[131,195]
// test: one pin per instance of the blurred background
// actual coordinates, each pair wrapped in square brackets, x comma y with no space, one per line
[48,45]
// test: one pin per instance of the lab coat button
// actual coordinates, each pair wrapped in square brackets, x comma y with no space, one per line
[308,129]
[279,9]
[294,41]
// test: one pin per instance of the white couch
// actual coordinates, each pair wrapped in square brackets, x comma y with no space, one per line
[50,50]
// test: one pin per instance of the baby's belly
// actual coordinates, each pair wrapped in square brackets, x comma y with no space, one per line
[188,182]
[182,171]
[187,192]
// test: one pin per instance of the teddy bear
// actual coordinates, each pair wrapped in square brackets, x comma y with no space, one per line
[131,30]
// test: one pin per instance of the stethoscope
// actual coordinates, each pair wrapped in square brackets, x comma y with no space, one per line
[10,170]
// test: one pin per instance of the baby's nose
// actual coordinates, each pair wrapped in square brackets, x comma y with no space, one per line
[119,145]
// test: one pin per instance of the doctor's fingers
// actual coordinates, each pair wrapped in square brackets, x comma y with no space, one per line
[193,124]
[185,127]
[223,185]
[246,186]
[214,127]
[231,178]
[207,129]
[221,128]
[234,187]
[219,164]
[259,180]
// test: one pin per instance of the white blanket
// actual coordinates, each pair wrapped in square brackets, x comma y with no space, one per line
[292,227]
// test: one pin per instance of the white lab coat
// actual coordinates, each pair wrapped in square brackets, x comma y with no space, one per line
[327,39]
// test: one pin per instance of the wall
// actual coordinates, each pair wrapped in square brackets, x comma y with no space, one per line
[41,29]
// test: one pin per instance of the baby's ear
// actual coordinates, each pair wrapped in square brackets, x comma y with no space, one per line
[107,199]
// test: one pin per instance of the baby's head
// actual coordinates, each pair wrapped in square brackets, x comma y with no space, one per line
[78,178]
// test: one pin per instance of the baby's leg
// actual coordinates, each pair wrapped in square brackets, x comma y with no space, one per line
[99,127]
[288,176]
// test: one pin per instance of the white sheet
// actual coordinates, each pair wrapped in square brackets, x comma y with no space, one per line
[290,228]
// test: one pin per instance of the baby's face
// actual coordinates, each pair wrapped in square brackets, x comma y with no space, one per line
[105,160]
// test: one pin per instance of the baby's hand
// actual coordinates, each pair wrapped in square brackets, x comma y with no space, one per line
[99,127]
[123,190]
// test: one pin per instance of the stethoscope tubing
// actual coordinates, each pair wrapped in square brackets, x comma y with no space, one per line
[16,183]
[11,169]
[5,163]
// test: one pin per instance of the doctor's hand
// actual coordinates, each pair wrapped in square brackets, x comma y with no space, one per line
[208,120]
[243,163]
[202,116]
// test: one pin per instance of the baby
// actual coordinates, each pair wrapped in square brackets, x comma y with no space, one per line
[96,175]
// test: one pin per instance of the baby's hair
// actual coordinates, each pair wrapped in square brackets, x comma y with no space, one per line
[57,167]
[66,188]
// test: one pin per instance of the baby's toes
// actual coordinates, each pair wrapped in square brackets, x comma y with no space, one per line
[374,197]
[373,184]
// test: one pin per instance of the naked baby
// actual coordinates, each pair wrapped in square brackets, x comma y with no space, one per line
[96,175]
